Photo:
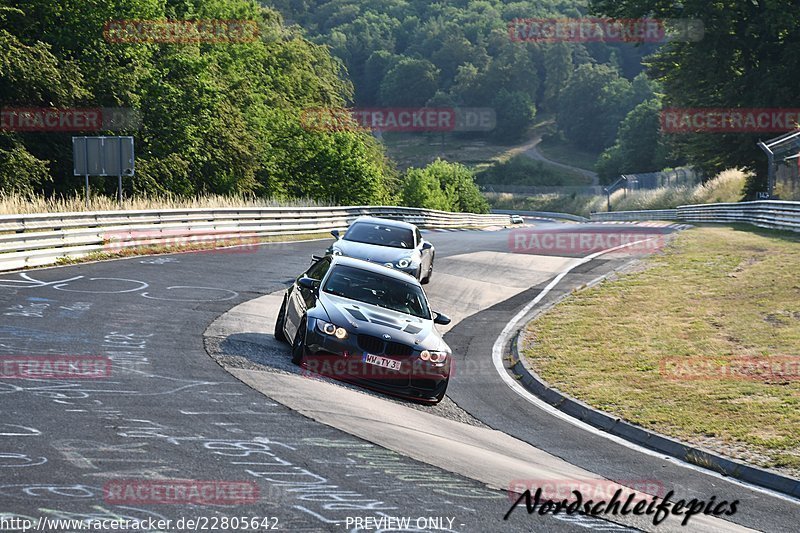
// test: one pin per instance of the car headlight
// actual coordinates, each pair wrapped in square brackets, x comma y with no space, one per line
[388,265]
[331,329]
[433,356]
[404,263]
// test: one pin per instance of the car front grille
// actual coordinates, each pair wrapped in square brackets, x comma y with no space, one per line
[397,349]
[377,346]
[370,344]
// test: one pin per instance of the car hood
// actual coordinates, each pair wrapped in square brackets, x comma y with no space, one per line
[373,252]
[366,319]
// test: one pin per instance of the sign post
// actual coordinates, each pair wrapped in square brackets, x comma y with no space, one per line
[103,156]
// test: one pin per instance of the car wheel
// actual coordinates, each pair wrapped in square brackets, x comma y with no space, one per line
[279,334]
[439,397]
[299,343]
[430,272]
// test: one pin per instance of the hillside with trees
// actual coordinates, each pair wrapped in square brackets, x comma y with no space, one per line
[415,53]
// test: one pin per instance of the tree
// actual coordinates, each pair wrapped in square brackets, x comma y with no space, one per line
[410,83]
[443,185]
[748,56]
[515,112]
[215,117]
[594,102]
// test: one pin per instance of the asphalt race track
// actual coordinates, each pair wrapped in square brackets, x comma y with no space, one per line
[320,455]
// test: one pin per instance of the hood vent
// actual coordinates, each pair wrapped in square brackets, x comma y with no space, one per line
[358,314]
[387,324]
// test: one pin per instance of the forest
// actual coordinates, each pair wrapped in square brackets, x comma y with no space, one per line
[225,116]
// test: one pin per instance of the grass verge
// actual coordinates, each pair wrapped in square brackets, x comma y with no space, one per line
[566,153]
[715,297]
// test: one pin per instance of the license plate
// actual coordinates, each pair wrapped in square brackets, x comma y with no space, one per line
[383,362]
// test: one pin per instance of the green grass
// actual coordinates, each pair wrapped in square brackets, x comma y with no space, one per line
[715,293]
[566,153]
[417,149]
[558,203]
[521,170]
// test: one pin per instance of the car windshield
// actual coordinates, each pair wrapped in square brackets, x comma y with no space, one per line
[383,291]
[381,235]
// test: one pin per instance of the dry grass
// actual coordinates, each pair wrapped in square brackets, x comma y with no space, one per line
[725,187]
[15,205]
[716,293]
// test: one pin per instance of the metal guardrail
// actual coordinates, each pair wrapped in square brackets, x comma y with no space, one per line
[43,239]
[765,213]
[542,214]
[655,214]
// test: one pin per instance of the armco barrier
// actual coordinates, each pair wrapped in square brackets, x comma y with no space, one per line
[542,214]
[42,239]
[660,214]
[765,213]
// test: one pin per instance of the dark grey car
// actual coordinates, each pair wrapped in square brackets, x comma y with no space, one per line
[392,243]
[361,322]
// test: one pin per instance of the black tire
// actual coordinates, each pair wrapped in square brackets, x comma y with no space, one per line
[430,272]
[440,396]
[279,334]
[299,344]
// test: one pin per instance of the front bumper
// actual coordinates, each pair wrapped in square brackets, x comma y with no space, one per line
[345,360]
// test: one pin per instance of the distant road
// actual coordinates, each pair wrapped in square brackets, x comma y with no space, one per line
[531,150]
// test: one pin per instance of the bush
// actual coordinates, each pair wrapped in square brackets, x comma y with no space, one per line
[444,186]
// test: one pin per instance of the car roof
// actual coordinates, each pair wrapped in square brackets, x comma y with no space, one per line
[372,267]
[385,222]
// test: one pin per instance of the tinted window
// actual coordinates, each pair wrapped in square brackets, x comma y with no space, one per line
[318,270]
[375,289]
[371,233]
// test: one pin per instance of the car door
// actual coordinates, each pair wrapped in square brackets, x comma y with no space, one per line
[301,298]
[425,253]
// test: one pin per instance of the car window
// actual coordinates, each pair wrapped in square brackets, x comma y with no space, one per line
[380,234]
[319,269]
[419,236]
[376,289]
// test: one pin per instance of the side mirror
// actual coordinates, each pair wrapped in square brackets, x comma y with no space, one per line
[316,258]
[335,233]
[308,283]
[426,245]
[440,318]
